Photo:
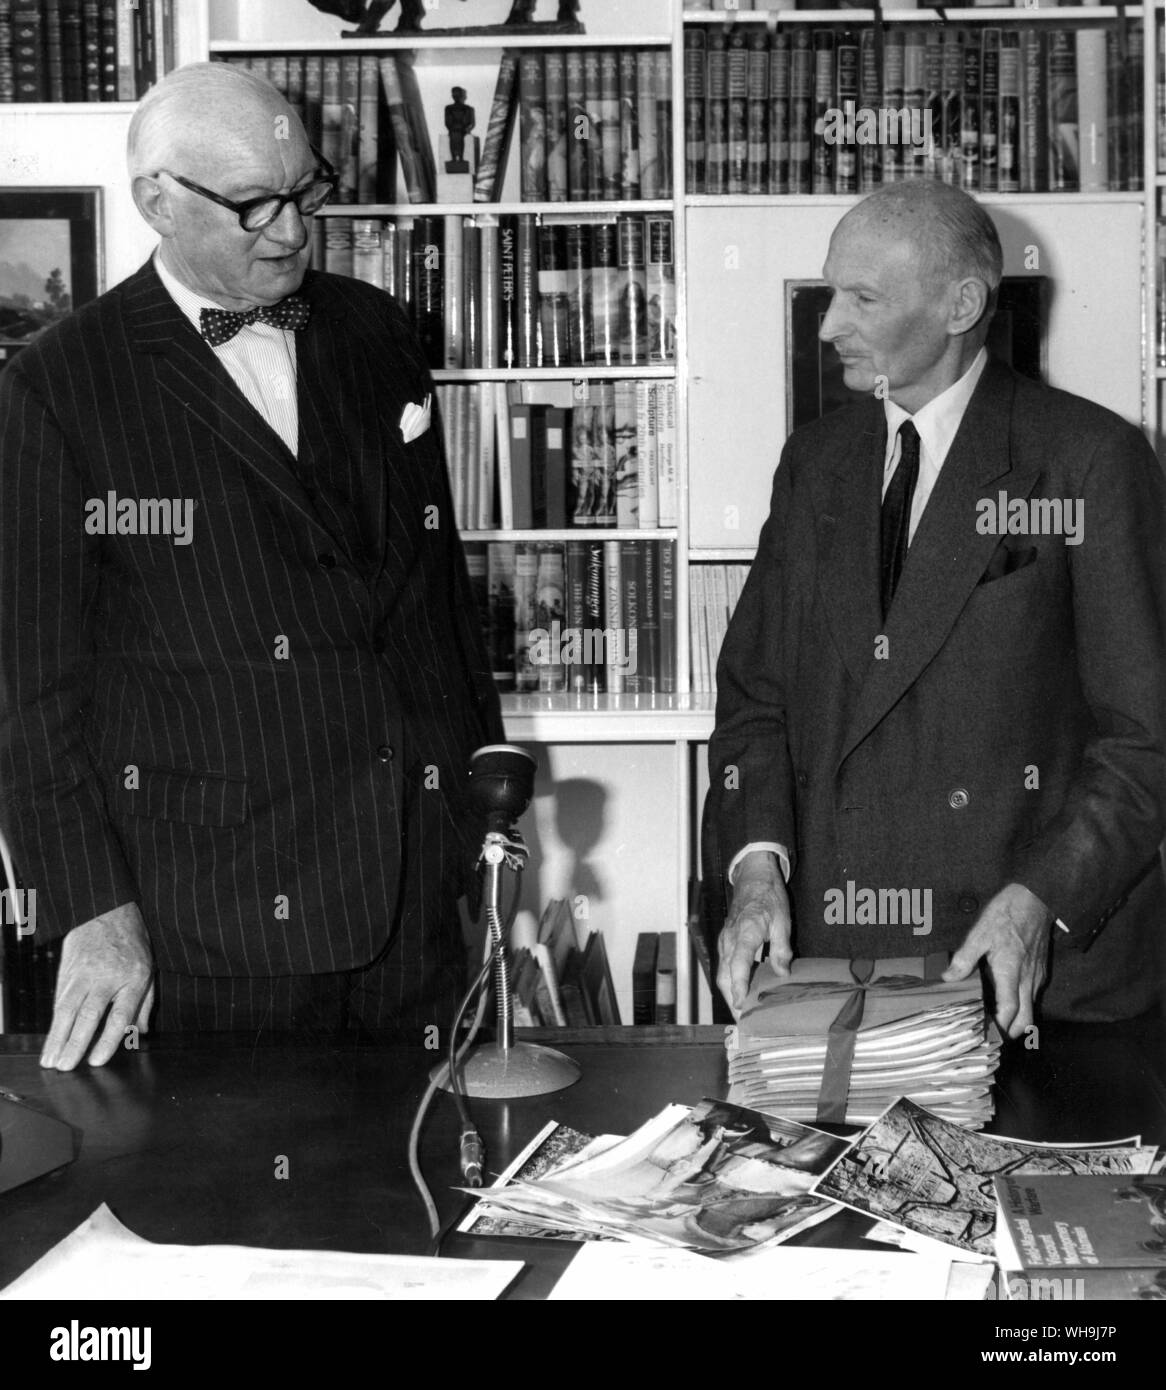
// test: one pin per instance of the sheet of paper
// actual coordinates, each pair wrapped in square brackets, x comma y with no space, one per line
[102,1259]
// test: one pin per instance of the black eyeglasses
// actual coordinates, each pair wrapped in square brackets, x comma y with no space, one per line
[256,213]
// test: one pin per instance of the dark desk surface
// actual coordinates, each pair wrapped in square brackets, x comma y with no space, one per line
[182,1138]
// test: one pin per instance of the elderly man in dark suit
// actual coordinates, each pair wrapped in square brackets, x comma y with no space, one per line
[945,676]
[242,666]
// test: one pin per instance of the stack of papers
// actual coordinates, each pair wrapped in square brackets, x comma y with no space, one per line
[839,1041]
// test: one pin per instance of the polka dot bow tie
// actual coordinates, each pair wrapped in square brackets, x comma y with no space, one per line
[219,326]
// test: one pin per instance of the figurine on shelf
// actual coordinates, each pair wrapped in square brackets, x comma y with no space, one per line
[367,17]
[459,121]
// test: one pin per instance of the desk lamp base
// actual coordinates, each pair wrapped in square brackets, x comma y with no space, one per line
[524,1069]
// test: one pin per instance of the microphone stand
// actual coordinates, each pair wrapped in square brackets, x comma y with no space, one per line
[505,1068]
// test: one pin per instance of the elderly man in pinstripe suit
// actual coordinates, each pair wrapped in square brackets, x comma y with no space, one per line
[242,668]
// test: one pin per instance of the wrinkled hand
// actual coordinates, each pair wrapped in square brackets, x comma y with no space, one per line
[107,972]
[760,913]
[1012,935]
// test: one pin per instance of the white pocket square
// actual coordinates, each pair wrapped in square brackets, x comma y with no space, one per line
[415,420]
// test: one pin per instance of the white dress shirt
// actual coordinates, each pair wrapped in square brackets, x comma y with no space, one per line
[937,424]
[260,357]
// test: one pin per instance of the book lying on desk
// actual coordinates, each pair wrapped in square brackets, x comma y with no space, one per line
[1089,1237]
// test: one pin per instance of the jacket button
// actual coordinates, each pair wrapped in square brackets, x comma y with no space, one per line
[958,799]
[385,753]
[968,902]
[326,560]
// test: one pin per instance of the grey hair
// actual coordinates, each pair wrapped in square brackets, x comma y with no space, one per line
[955,236]
[164,115]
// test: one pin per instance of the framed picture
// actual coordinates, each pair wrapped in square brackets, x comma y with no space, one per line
[50,259]
[814,384]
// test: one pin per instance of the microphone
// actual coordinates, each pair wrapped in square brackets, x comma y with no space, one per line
[501,783]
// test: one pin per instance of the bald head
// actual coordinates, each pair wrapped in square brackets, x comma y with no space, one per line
[950,233]
[207,116]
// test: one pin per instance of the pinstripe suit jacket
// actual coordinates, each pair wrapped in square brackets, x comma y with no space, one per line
[225,731]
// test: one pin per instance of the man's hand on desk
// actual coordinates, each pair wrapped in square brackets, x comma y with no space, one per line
[1012,935]
[760,913]
[107,972]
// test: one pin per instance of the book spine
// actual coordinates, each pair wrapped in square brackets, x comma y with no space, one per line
[846,79]
[647,459]
[146,73]
[933,105]
[472,293]
[1062,111]
[314,97]
[167,39]
[505,472]
[521,466]
[428,315]
[338,246]
[73,50]
[666,979]
[592,677]
[557,439]
[107,30]
[406,290]
[395,100]
[54,56]
[527,314]
[969,165]
[332,120]
[916,135]
[757,119]
[578,128]
[7,67]
[644,978]
[629,126]
[578,256]
[453,289]
[593,153]
[1092,119]
[508,315]
[632,599]
[1135,109]
[668,615]
[126,46]
[716,117]
[418,129]
[367,252]
[28,53]
[616,660]
[633,292]
[661,290]
[349,166]
[486,400]
[647,126]
[277,73]
[990,112]
[662,75]
[953,86]
[609,122]
[801,127]
[627,484]
[576,615]
[555,75]
[367,127]
[488,297]
[550,607]
[553,300]
[1034,147]
[894,77]
[778,161]
[525,594]
[737,123]
[500,568]
[1008,161]
[604,295]
[604,455]
[824,99]
[694,110]
[666,433]
[469,462]
[496,149]
[532,106]
[648,641]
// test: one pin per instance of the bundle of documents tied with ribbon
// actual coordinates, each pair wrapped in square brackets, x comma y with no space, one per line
[837,1041]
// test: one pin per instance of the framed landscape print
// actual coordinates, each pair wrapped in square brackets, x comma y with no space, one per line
[814,384]
[50,259]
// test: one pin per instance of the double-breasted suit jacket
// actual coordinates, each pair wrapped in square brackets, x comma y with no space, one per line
[1006,722]
[226,730]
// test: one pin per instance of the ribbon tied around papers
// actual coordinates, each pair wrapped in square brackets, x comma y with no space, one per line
[843,1031]
[415,420]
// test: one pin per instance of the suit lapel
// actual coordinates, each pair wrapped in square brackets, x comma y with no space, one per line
[848,572]
[947,555]
[189,372]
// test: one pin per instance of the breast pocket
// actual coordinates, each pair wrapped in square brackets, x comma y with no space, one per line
[193,798]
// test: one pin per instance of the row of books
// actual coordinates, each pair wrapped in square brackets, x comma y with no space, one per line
[811,109]
[713,594]
[555,984]
[587,616]
[654,978]
[517,290]
[600,454]
[595,124]
[83,50]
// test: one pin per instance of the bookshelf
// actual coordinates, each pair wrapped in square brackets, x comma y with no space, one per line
[616,814]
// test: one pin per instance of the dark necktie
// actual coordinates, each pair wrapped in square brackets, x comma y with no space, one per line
[896,513]
[219,326]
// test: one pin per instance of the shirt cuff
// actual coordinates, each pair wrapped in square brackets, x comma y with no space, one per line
[772,846]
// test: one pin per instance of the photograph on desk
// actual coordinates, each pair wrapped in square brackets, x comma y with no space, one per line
[713,1177]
